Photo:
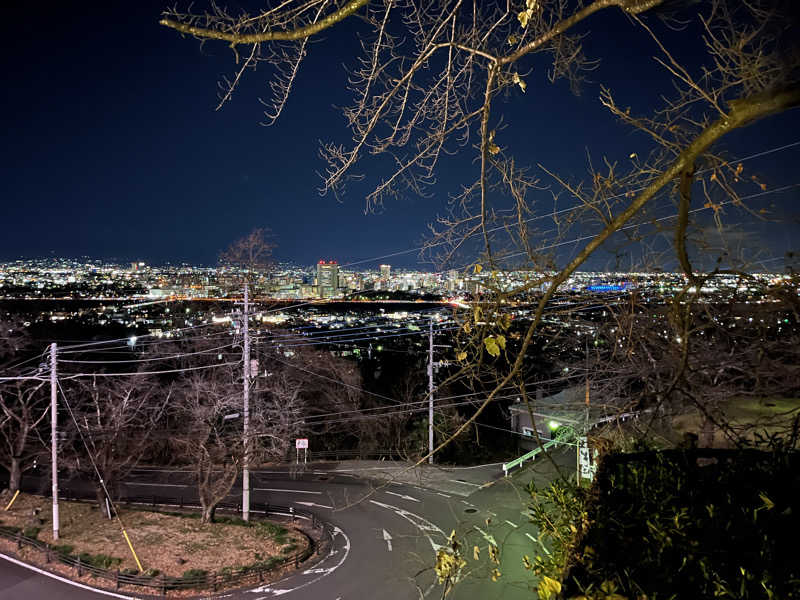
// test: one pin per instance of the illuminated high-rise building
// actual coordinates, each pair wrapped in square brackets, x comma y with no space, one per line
[327,278]
[386,272]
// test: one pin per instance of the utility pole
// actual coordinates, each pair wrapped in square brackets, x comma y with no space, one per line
[54,436]
[430,392]
[431,366]
[246,413]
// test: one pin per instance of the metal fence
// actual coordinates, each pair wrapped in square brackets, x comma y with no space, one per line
[162,584]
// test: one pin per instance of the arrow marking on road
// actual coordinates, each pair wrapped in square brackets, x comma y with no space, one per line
[425,526]
[404,497]
[317,505]
[388,539]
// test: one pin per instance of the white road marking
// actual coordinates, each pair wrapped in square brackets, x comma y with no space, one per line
[514,525]
[157,484]
[287,491]
[322,572]
[317,505]
[64,579]
[477,485]
[403,497]
[388,539]
[443,494]
[425,526]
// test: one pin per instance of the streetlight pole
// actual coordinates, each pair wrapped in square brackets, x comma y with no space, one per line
[246,412]
[54,435]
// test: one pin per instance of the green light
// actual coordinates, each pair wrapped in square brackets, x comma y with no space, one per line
[554,425]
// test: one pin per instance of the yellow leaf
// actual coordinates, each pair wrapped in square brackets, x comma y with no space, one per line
[461,356]
[492,346]
[495,574]
[769,504]
[526,561]
[518,80]
[476,553]
[501,341]
[523,17]
[467,327]
[548,588]
[633,155]
[478,268]
[512,39]
[493,148]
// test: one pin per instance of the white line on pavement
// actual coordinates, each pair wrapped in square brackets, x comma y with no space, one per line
[64,579]
[317,505]
[403,496]
[314,571]
[287,491]
[514,525]
[421,523]
[156,484]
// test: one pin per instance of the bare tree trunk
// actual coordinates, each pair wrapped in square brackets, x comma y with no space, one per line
[208,513]
[15,474]
[707,434]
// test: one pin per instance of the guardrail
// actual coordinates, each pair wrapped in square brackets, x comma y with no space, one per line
[362,454]
[162,584]
[529,456]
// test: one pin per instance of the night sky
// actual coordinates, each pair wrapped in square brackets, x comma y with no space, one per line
[112,147]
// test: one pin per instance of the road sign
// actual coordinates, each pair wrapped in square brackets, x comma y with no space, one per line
[301,443]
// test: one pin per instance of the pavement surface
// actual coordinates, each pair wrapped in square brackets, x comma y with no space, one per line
[389,519]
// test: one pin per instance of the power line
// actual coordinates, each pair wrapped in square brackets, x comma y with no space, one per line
[142,360]
[566,210]
[137,373]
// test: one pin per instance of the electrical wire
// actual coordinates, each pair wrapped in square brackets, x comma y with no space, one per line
[138,373]
[567,210]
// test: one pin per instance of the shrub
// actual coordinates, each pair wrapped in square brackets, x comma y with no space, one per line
[31,532]
[100,561]
[195,574]
[63,549]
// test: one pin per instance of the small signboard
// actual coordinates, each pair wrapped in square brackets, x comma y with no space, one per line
[301,443]
[587,463]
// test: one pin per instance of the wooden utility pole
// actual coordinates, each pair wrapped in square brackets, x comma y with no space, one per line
[246,412]
[54,435]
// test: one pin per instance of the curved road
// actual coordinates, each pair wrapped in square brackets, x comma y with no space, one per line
[386,534]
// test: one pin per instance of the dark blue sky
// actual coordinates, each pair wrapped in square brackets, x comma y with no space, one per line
[112,147]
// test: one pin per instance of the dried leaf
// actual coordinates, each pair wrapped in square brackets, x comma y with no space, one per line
[519,81]
[491,346]
[461,356]
[476,553]
[523,17]
[548,588]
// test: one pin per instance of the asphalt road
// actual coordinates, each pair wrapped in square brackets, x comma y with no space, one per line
[386,534]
